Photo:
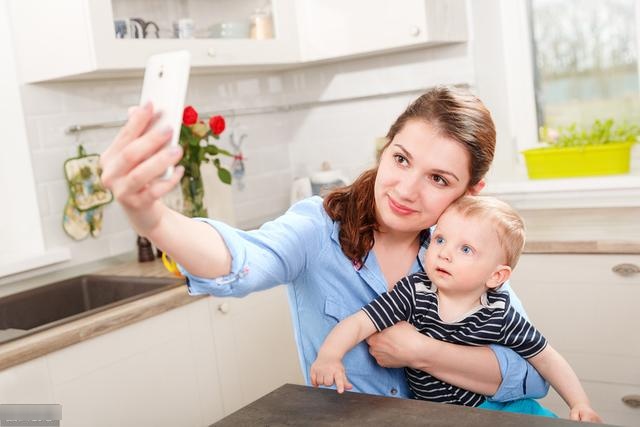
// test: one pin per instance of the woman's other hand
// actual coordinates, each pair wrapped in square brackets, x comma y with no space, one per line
[397,346]
[131,167]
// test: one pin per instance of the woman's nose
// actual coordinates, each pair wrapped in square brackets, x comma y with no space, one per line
[407,187]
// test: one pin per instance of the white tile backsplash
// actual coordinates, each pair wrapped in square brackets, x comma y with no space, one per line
[279,146]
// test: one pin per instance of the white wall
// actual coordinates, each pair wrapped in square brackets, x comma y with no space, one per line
[19,220]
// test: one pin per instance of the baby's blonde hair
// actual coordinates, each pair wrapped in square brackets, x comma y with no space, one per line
[509,224]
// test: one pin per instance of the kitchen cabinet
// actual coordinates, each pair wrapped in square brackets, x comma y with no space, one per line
[189,366]
[57,39]
[590,315]
[330,29]
[255,345]
[76,39]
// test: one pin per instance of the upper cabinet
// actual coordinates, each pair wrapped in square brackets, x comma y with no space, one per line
[330,29]
[93,38]
[74,39]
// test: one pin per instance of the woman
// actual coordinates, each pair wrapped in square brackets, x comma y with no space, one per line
[339,254]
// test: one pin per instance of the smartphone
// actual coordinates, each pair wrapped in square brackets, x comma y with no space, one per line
[166,78]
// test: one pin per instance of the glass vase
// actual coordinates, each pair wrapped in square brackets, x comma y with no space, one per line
[193,192]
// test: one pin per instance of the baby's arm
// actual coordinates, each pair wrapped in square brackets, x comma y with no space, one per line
[555,369]
[328,367]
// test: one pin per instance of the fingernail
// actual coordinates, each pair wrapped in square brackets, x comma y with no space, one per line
[148,106]
[175,150]
[131,110]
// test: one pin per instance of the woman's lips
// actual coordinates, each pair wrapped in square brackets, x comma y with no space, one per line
[398,208]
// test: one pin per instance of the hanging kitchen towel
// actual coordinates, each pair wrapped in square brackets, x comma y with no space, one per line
[84,208]
[79,224]
[83,177]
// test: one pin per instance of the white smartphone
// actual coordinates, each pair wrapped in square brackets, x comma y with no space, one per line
[166,78]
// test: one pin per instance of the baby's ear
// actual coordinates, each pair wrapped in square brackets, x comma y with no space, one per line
[500,275]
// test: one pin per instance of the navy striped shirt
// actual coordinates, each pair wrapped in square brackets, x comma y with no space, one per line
[414,299]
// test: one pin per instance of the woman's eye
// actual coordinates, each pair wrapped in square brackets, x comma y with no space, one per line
[400,159]
[439,240]
[467,249]
[438,179]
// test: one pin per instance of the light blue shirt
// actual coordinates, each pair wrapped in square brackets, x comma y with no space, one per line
[302,249]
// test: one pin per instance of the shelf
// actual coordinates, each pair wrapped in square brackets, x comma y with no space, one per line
[610,191]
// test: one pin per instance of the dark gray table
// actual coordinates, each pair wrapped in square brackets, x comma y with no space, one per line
[293,405]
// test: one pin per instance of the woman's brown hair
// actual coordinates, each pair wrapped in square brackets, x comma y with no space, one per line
[457,114]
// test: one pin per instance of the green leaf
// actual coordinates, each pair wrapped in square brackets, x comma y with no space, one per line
[224,175]
[212,149]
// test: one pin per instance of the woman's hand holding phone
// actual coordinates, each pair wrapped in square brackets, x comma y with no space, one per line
[132,165]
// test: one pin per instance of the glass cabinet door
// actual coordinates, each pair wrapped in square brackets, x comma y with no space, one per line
[193,19]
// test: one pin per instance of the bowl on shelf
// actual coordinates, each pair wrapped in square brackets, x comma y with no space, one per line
[230,30]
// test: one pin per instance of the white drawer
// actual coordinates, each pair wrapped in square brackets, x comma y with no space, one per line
[580,304]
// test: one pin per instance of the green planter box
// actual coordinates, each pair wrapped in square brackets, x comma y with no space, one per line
[589,160]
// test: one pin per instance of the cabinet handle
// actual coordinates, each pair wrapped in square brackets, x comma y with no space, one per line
[632,400]
[212,52]
[223,308]
[626,269]
[414,31]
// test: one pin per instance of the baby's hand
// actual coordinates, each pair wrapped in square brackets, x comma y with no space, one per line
[325,371]
[583,412]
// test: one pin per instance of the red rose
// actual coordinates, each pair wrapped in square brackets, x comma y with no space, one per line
[217,124]
[190,115]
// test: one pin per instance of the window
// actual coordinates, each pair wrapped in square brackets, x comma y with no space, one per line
[585,61]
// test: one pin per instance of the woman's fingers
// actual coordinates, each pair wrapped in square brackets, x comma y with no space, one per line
[130,157]
[139,118]
[147,171]
[160,187]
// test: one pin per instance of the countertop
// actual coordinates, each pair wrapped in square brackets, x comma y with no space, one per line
[296,405]
[582,247]
[38,344]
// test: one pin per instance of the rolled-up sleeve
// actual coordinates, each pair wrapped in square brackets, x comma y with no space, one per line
[274,254]
[519,379]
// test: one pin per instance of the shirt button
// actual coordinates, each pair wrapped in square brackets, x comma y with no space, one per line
[394,391]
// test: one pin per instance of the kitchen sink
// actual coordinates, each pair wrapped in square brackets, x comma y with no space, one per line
[50,305]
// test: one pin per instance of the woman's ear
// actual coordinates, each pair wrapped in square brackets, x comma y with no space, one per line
[476,189]
[500,275]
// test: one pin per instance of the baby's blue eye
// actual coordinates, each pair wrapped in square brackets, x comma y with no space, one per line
[467,249]
[439,240]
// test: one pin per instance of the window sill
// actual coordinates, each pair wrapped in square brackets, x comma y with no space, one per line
[49,257]
[613,191]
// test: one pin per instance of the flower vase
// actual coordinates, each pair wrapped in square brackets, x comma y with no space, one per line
[193,192]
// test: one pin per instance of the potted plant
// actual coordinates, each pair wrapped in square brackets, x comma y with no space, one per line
[197,141]
[603,149]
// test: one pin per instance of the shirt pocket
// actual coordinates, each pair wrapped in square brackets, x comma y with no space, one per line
[358,361]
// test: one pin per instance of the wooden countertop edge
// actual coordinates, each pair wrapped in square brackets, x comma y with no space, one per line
[582,247]
[30,347]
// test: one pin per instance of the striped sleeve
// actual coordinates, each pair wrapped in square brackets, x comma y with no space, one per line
[393,306]
[520,335]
